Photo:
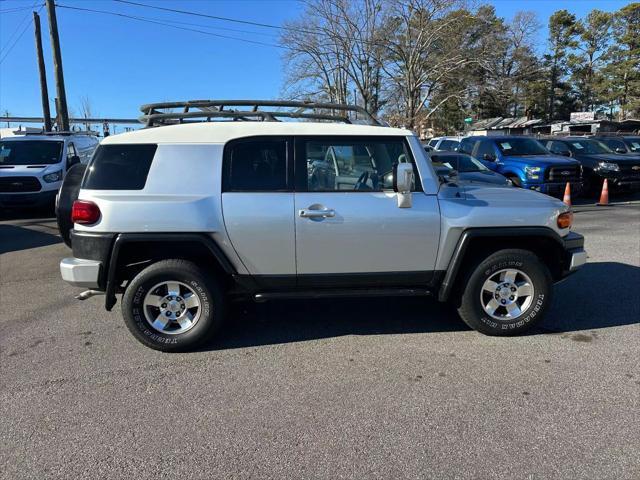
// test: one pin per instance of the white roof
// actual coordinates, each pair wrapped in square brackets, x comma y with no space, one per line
[222,132]
[24,138]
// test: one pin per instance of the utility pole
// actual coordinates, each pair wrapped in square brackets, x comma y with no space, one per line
[43,75]
[63,113]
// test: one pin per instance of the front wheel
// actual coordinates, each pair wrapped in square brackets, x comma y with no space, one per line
[172,305]
[506,294]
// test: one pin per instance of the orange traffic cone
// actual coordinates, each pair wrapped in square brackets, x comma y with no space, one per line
[567,195]
[604,196]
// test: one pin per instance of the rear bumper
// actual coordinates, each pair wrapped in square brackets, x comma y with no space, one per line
[80,272]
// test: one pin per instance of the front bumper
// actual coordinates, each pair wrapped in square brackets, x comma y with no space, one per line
[553,188]
[80,272]
[35,199]
[575,256]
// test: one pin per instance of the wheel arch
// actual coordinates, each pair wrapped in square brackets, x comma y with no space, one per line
[132,252]
[478,243]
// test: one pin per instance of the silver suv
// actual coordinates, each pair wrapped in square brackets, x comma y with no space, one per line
[179,218]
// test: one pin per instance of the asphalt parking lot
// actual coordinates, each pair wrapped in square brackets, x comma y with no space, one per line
[386,388]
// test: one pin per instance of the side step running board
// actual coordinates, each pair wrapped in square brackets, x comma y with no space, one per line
[343,293]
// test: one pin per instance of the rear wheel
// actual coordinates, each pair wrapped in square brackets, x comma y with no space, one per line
[173,306]
[506,294]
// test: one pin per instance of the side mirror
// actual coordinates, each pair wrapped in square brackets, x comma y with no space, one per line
[620,150]
[402,183]
[489,157]
[73,160]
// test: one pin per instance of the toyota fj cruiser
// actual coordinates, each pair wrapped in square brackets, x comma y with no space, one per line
[185,215]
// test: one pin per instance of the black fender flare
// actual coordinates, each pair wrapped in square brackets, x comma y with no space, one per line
[468,235]
[126,238]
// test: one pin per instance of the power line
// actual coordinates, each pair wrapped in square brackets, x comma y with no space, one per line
[17,29]
[17,39]
[15,9]
[147,20]
[186,12]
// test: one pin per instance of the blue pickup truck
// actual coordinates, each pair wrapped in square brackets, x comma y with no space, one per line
[526,162]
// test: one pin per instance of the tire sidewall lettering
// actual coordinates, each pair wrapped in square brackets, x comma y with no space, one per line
[520,322]
[137,313]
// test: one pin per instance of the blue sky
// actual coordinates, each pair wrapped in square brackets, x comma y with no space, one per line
[120,64]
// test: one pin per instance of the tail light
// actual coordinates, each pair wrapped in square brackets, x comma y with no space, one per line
[84,212]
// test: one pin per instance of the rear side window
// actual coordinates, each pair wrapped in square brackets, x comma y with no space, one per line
[119,167]
[255,165]
[466,146]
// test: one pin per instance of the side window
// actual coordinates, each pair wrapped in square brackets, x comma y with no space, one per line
[466,146]
[71,151]
[120,167]
[486,148]
[558,148]
[350,164]
[255,165]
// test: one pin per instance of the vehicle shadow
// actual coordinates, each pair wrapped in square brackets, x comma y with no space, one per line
[14,238]
[600,295]
[25,213]
[588,300]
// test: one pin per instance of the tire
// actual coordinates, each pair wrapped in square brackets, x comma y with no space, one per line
[531,307]
[152,283]
[68,194]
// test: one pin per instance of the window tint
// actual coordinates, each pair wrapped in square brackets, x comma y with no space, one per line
[353,165]
[588,146]
[30,152]
[119,167]
[254,165]
[633,143]
[613,143]
[557,147]
[485,147]
[449,145]
[466,146]
[518,146]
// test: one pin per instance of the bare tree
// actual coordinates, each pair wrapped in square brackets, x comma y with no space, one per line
[86,110]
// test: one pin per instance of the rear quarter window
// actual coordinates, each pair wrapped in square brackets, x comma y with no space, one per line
[119,167]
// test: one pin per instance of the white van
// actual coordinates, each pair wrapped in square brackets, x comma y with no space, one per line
[32,166]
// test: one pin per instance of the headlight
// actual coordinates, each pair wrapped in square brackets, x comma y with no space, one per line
[533,172]
[612,167]
[53,177]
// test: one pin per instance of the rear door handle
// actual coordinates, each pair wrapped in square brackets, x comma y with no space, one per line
[306,213]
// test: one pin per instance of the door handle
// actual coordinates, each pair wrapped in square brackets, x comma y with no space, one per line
[306,213]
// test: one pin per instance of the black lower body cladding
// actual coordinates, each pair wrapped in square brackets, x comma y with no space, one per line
[94,246]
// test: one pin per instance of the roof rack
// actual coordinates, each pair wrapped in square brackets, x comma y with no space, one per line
[207,110]
[64,133]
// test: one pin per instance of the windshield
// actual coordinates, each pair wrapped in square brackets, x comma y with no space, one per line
[633,143]
[461,163]
[588,147]
[521,146]
[30,152]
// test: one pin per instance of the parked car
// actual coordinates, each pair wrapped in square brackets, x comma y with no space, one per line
[598,162]
[526,162]
[625,144]
[465,168]
[444,144]
[32,166]
[182,218]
